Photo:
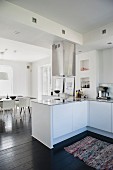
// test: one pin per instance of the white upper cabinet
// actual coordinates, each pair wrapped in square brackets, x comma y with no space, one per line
[100,115]
[79,115]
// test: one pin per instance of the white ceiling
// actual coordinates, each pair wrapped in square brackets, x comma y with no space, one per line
[13,30]
[79,15]
[13,50]
[31,44]
[98,45]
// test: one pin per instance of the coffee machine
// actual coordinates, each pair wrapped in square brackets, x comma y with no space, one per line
[103,92]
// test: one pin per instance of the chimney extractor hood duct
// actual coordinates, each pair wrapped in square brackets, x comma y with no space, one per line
[63,59]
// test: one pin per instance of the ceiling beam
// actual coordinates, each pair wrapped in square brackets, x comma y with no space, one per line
[13,12]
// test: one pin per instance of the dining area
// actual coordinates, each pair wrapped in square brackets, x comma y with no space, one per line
[15,121]
[15,104]
[15,112]
[15,96]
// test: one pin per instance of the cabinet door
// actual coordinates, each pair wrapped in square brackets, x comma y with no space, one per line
[79,115]
[100,115]
[62,120]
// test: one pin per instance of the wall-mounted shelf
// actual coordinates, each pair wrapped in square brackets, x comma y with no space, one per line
[85,82]
[84,65]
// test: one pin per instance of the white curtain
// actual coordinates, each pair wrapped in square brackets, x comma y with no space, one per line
[46,80]
[6,86]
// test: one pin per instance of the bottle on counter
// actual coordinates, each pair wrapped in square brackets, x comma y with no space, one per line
[82,94]
[51,93]
[7,97]
[76,93]
[79,94]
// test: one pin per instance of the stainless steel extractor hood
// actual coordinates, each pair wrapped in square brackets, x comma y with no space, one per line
[63,59]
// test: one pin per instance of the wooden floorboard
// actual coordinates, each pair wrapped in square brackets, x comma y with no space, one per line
[19,151]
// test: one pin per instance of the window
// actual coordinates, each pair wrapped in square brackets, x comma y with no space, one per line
[6,86]
[44,81]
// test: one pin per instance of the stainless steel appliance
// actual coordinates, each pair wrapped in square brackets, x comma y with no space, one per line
[63,59]
[103,92]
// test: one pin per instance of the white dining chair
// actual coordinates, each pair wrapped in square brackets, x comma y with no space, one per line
[24,103]
[8,105]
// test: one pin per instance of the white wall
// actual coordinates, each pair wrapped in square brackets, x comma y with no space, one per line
[100,70]
[92,73]
[21,77]
[106,65]
[35,82]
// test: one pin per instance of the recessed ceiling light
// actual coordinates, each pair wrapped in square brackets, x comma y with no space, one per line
[79,51]
[14,51]
[34,20]
[109,43]
[16,32]
[2,52]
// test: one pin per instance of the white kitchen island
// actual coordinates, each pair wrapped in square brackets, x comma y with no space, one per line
[54,121]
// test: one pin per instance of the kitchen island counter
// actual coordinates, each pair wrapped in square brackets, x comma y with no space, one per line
[53,123]
[52,102]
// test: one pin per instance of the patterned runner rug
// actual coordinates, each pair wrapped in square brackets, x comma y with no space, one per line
[95,153]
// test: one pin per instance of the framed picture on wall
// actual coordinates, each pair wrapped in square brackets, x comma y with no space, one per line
[69,85]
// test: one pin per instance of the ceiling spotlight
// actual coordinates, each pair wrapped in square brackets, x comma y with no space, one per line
[14,51]
[79,51]
[109,43]
[2,52]
[16,32]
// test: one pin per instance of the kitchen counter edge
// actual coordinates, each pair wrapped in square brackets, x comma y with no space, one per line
[54,102]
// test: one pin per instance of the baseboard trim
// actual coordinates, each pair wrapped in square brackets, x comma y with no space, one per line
[78,135]
[100,132]
[67,136]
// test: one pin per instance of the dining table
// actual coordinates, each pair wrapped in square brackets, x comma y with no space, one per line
[4,98]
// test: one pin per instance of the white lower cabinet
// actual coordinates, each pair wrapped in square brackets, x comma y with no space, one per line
[80,110]
[100,114]
[69,117]
[62,120]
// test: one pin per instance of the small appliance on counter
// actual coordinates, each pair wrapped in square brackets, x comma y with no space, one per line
[103,92]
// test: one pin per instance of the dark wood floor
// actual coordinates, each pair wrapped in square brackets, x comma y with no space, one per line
[19,151]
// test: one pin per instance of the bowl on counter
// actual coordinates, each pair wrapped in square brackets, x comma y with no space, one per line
[57,91]
[13,97]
